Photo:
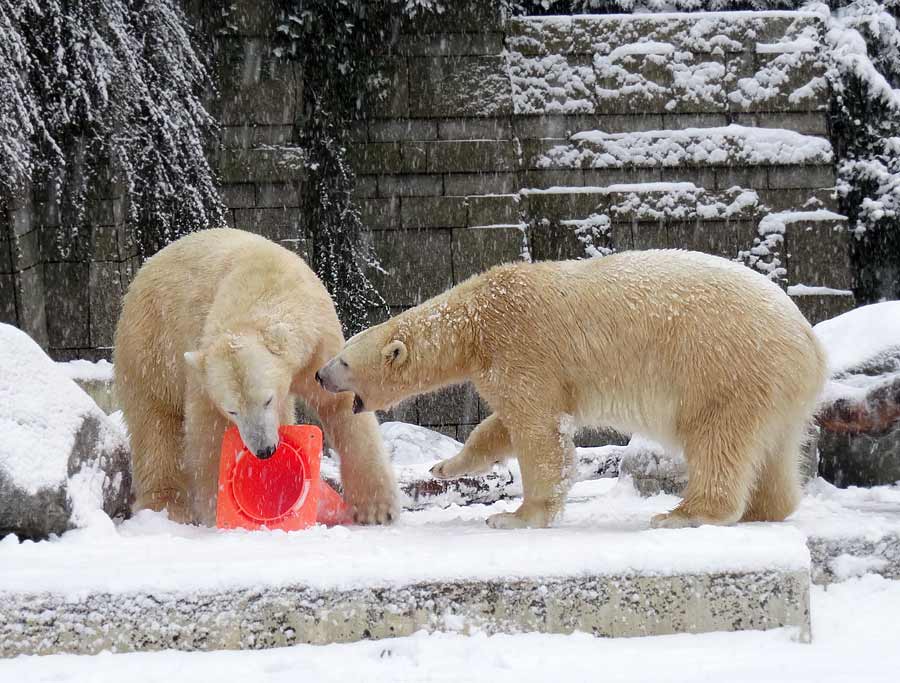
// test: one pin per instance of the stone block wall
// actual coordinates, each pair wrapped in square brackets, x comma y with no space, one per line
[62,282]
[502,139]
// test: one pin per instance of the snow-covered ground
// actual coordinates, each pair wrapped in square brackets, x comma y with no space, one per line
[853,623]
[605,531]
[854,639]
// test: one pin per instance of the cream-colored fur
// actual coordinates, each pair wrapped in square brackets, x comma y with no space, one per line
[223,322]
[692,350]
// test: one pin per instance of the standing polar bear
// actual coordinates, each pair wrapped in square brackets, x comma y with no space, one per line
[225,326]
[692,350]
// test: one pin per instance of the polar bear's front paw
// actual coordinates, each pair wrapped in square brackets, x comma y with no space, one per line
[506,520]
[671,520]
[443,470]
[374,512]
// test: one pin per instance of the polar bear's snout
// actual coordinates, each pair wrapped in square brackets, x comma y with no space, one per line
[335,377]
[332,377]
[260,436]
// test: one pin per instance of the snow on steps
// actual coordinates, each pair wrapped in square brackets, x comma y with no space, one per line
[723,145]
[151,584]
[712,62]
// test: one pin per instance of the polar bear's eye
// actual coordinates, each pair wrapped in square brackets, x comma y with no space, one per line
[232,413]
[269,402]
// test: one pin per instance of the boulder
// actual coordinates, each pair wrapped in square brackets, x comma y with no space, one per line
[413,451]
[63,462]
[859,417]
[651,468]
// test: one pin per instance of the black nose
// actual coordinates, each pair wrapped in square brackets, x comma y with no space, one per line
[319,380]
[265,452]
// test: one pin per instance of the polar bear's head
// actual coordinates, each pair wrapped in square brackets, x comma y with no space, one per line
[248,379]
[377,365]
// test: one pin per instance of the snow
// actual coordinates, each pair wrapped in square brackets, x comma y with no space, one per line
[605,530]
[846,566]
[644,60]
[800,45]
[623,188]
[870,102]
[412,446]
[733,143]
[85,370]
[829,512]
[603,533]
[646,48]
[41,410]
[695,17]
[861,335]
[853,625]
[551,84]
[812,290]
[850,51]
[765,254]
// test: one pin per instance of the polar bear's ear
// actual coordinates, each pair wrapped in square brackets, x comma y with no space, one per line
[395,352]
[194,359]
[276,338]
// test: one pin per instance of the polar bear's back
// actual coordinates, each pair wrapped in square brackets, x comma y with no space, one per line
[654,288]
[676,323]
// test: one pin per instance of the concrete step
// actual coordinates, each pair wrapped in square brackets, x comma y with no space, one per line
[151,584]
[850,531]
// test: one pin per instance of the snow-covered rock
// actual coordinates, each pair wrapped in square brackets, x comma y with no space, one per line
[63,462]
[95,379]
[417,448]
[652,468]
[866,337]
[859,416]
[413,451]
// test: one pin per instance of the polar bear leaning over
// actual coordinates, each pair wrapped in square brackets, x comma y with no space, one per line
[223,327]
[695,351]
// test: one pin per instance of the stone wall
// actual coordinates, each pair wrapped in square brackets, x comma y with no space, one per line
[501,139]
[65,292]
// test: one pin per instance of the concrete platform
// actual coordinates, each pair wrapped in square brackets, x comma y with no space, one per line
[150,584]
[850,532]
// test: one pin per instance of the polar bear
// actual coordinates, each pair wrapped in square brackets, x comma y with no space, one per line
[697,352]
[224,326]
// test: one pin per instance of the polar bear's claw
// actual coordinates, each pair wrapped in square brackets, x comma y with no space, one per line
[374,513]
[672,520]
[438,471]
[506,520]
